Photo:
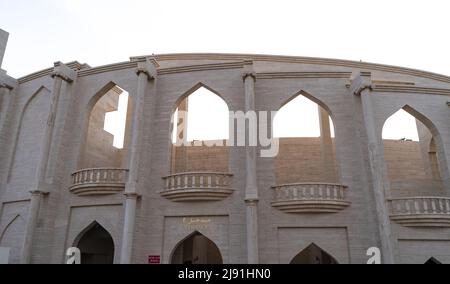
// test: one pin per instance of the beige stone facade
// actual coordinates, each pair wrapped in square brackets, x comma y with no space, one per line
[61,181]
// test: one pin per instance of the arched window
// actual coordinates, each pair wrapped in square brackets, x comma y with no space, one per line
[107,135]
[200,128]
[307,148]
[411,155]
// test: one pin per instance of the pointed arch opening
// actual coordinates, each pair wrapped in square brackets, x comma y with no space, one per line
[413,155]
[199,132]
[196,249]
[96,245]
[108,129]
[12,237]
[313,254]
[432,260]
[307,142]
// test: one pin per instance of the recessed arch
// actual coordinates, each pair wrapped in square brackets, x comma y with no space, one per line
[313,254]
[196,248]
[96,245]
[36,122]
[8,225]
[12,237]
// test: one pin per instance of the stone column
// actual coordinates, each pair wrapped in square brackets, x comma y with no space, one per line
[145,72]
[33,212]
[61,73]
[361,86]
[251,187]
[128,227]
[5,102]
[7,87]
[179,157]
[326,146]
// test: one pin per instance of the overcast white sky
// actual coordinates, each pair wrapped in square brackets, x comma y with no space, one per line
[405,33]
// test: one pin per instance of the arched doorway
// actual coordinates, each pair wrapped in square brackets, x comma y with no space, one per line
[196,249]
[433,260]
[313,255]
[96,245]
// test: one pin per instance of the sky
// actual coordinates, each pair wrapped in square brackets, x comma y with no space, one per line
[404,33]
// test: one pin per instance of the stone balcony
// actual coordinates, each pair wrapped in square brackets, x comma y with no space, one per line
[98,181]
[310,197]
[420,211]
[197,186]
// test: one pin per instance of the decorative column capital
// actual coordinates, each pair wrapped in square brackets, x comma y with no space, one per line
[132,195]
[248,70]
[6,81]
[6,86]
[249,74]
[360,81]
[37,192]
[147,68]
[64,72]
[251,201]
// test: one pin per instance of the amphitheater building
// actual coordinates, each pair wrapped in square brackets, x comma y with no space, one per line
[328,199]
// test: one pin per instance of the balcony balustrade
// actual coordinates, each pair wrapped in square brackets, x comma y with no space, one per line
[310,197]
[197,186]
[98,181]
[420,211]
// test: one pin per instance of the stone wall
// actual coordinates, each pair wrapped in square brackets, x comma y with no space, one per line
[300,160]
[199,158]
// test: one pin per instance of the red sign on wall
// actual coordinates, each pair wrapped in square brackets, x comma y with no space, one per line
[154,259]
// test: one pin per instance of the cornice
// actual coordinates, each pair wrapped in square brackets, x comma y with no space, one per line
[238,62]
[295,75]
[201,67]
[74,65]
[301,60]
[108,68]
[410,89]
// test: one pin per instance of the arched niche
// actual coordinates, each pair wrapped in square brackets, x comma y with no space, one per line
[29,138]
